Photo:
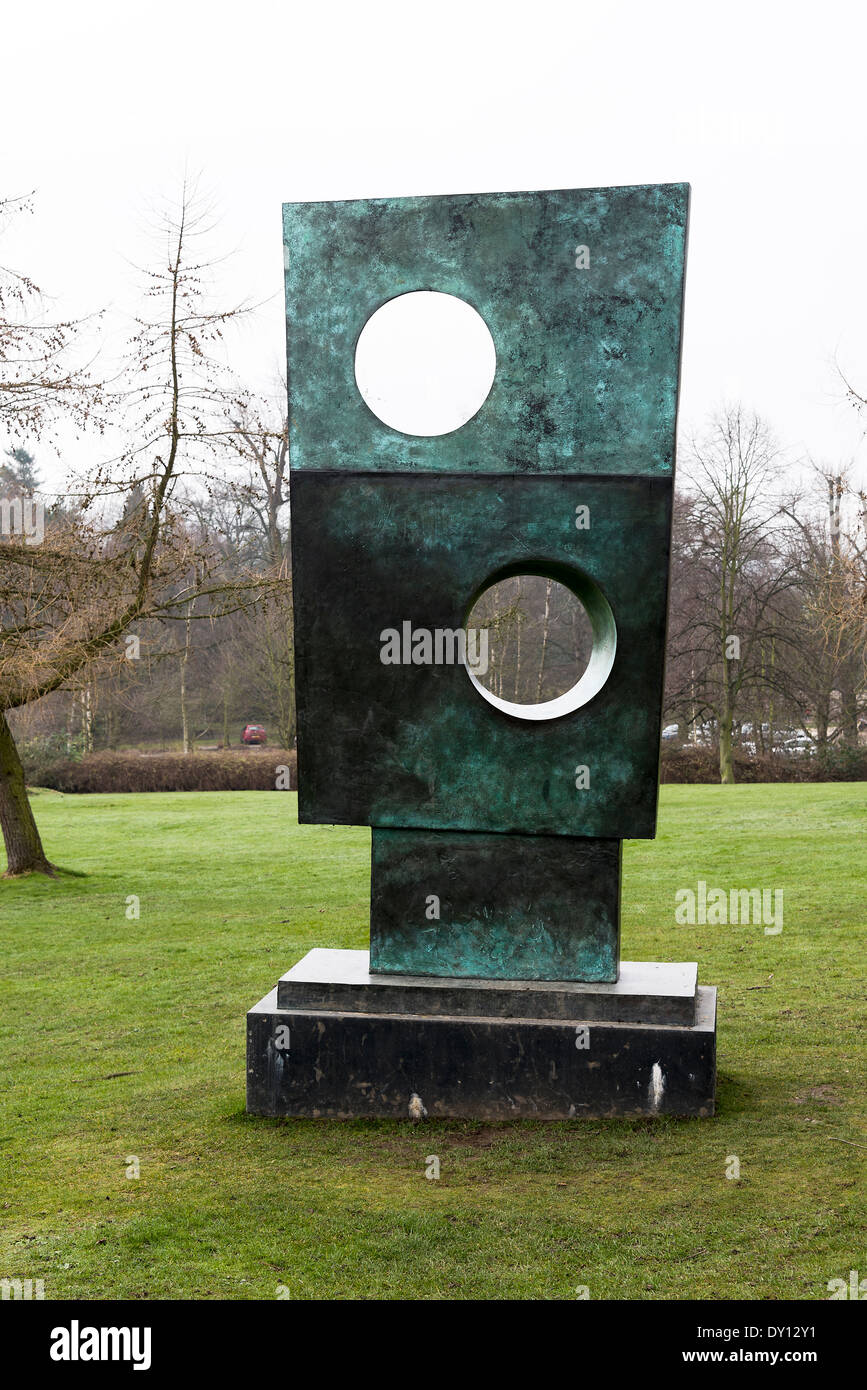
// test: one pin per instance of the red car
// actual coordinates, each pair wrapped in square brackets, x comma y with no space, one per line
[253,734]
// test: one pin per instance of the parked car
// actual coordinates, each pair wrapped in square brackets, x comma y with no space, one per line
[782,740]
[253,734]
[669,732]
[797,743]
[704,734]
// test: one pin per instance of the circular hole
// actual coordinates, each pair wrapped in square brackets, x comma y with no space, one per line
[539,647]
[425,363]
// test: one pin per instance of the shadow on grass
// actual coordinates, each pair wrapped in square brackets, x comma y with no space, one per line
[734,1096]
[469,1129]
[31,876]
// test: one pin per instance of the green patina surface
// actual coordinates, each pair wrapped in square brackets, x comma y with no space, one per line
[417,745]
[587,360]
[507,907]
[389,528]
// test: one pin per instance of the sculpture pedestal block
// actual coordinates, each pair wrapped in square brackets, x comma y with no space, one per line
[333,1041]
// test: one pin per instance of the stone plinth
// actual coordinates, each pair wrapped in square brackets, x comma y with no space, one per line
[332,1040]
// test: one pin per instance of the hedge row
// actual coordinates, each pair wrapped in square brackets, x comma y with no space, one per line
[702,765]
[265,769]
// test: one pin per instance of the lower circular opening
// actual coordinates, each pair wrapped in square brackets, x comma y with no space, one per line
[538,645]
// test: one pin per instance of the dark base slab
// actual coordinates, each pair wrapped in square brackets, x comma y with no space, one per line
[332,1063]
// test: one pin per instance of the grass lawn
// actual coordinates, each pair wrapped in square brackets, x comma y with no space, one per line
[123,1039]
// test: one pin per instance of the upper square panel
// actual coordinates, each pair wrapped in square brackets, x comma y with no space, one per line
[581,291]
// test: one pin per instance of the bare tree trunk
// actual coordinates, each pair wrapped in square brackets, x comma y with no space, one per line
[85,696]
[726,710]
[502,651]
[548,587]
[726,714]
[848,721]
[849,713]
[519,583]
[70,720]
[280,656]
[185,721]
[185,717]
[24,850]
[823,718]
[771,695]
[759,707]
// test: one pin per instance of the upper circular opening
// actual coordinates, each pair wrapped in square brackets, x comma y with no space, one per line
[539,647]
[425,363]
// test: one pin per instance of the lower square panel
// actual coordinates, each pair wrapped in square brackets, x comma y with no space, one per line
[505,907]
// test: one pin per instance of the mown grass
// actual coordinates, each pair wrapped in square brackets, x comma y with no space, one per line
[124,1038]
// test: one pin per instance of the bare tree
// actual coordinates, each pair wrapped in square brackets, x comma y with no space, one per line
[729,584]
[261,440]
[36,382]
[262,445]
[829,625]
[66,604]
[37,376]
[539,637]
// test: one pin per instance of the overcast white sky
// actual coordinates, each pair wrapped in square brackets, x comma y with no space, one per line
[760,106]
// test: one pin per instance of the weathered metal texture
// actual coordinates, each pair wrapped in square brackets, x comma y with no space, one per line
[416,746]
[470,804]
[328,979]
[507,907]
[325,1063]
[587,359]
